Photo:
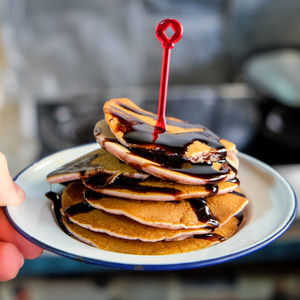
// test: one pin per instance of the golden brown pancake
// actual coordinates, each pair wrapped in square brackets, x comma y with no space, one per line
[91,164]
[110,243]
[133,127]
[155,189]
[212,172]
[123,227]
[197,213]
[118,226]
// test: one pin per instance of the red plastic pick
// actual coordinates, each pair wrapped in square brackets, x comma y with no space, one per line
[167,44]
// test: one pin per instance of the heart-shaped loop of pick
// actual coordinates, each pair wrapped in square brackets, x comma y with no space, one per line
[163,38]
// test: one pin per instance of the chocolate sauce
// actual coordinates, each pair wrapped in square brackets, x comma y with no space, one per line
[238,194]
[81,166]
[240,217]
[137,111]
[214,237]
[203,212]
[202,170]
[178,163]
[79,208]
[142,134]
[234,180]
[169,149]
[91,195]
[100,182]
[136,131]
[212,189]
[234,169]
[56,200]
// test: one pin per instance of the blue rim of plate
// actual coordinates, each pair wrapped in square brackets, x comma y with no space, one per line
[164,267]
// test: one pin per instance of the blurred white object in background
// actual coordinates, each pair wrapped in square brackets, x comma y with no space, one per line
[292,175]
[276,73]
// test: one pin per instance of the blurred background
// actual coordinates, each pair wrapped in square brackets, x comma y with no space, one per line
[236,70]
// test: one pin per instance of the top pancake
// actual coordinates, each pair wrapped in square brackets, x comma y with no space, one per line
[91,164]
[133,127]
[183,172]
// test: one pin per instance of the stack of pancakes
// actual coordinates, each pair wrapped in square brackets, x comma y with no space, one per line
[174,193]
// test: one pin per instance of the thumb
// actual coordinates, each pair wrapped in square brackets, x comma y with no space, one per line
[10,192]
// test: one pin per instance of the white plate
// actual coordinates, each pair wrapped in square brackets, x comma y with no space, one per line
[272,209]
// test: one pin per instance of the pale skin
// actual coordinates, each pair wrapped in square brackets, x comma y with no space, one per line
[13,247]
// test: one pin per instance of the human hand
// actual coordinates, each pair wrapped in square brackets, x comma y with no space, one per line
[13,247]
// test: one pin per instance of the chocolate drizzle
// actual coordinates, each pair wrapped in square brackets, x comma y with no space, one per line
[214,237]
[178,163]
[138,132]
[169,149]
[234,180]
[91,195]
[79,208]
[81,166]
[240,217]
[121,182]
[56,201]
[212,189]
[238,194]
[203,212]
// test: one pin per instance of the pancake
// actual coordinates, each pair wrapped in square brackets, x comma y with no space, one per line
[123,227]
[186,173]
[187,214]
[155,189]
[133,127]
[91,164]
[118,226]
[110,243]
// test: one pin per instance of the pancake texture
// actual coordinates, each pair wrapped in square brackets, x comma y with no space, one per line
[173,215]
[110,243]
[119,226]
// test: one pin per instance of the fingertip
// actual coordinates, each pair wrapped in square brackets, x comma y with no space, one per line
[10,235]
[10,192]
[11,260]
[2,159]
[20,192]
[32,252]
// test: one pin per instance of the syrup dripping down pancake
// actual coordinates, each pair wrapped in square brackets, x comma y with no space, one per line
[133,127]
[154,189]
[187,214]
[91,164]
[182,172]
[110,243]
[117,226]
